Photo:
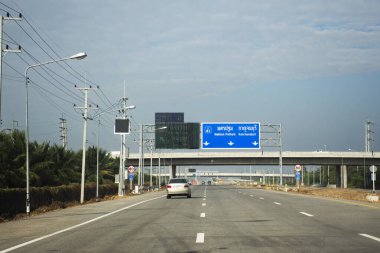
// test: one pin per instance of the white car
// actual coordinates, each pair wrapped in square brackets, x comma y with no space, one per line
[178,187]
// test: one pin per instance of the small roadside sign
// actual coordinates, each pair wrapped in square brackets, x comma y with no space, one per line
[298,168]
[373,170]
[131,176]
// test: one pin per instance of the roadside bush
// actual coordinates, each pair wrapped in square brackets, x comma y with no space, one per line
[13,201]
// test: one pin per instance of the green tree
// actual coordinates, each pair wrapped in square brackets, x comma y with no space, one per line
[107,166]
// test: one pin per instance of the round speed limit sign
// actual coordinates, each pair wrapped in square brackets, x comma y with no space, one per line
[298,168]
[131,169]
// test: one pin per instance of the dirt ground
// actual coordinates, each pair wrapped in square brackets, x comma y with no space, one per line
[337,193]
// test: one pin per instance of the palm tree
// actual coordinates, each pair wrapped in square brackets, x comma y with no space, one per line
[106,166]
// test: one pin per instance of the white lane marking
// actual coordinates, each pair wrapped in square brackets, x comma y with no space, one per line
[251,196]
[371,237]
[261,198]
[307,214]
[204,199]
[200,238]
[203,204]
[277,203]
[203,215]
[76,226]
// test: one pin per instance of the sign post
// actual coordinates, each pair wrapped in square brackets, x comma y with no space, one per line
[230,135]
[298,168]
[131,171]
[373,169]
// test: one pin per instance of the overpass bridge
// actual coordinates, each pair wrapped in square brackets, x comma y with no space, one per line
[243,176]
[339,160]
[257,158]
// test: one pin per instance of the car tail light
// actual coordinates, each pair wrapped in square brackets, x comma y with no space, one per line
[186,186]
[169,186]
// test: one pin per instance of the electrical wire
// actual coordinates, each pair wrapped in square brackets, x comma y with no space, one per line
[44,68]
[80,78]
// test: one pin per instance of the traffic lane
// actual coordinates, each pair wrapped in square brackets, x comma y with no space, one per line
[162,225]
[20,231]
[345,215]
[243,223]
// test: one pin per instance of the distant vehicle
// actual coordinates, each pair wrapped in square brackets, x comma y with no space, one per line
[209,182]
[178,187]
[203,183]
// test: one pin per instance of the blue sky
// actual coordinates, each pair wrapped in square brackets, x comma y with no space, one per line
[312,66]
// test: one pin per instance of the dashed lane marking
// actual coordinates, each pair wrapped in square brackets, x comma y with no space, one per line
[261,198]
[203,215]
[307,214]
[203,204]
[371,237]
[276,203]
[200,238]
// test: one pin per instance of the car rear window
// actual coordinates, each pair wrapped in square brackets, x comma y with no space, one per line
[178,180]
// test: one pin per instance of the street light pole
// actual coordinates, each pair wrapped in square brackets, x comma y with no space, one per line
[78,56]
[151,167]
[159,170]
[97,162]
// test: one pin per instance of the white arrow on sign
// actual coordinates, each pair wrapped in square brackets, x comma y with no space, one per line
[230,143]
[206,143]
[255,143]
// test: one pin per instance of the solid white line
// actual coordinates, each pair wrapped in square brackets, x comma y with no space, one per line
[203,215]
[75,226]
[307,214]
[200,238]
[203,204]
[277,203]
[371,237]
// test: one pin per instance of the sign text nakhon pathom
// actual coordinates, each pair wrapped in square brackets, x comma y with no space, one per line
[230,135]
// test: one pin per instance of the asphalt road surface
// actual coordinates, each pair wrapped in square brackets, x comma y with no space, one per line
[215,219]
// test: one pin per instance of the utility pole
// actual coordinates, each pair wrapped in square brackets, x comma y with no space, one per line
[123,115]
[368,136]
[7,49]
[63,130]
[123,132]
[85,109]
[141,163]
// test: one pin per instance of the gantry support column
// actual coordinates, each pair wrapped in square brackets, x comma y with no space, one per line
[343,176]
[173,171]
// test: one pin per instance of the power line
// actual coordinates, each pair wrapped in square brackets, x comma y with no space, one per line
[10,7]
[44,68]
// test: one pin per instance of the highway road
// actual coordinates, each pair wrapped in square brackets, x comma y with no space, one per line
[216,219]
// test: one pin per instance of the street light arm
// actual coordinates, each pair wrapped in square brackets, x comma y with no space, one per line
[44,63]
[78,56]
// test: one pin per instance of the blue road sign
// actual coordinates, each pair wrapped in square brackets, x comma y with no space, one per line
[298,176]
[230,136]
[131,176]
